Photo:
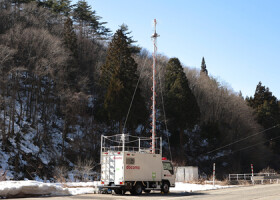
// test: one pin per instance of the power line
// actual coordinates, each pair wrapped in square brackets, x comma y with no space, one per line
[165,121]
[256,144]
[243,139]
[134,93]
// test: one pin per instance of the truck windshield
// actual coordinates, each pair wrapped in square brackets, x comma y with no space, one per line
[167,166]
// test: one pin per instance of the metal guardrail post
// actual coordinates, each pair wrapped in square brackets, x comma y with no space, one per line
[214,168]
[252,168]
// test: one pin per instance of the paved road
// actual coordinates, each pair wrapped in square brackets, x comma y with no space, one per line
[258,192]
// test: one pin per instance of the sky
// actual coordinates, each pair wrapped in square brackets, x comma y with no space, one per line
[239,39]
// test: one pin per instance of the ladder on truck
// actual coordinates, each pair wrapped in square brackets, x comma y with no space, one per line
[108,167]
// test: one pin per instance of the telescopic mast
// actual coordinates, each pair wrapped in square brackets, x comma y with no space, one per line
[154,38]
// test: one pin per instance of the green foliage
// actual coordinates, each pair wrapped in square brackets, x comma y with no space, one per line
[58,6]
[70,41]
[89,23]
[181,107]
[69,36]
[22,1]
[62,7]
[181,104]
[119,78]
[130,41]
[82,11]
[266,107]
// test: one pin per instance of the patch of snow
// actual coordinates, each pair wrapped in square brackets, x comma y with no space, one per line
[14,188]
[188,187]
[83,184]
[28,147]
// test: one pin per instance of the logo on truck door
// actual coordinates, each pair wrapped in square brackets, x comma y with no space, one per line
[130,164]
[132,167]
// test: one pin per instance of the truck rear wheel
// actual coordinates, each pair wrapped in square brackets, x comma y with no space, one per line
[165,187]
[137,189]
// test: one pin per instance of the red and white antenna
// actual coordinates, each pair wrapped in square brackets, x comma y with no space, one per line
[153,131]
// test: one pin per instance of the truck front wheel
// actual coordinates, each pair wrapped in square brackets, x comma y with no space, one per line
[118,191]
[137,189]
[165,187]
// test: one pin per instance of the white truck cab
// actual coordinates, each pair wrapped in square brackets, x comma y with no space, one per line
[135,169]
[168,172]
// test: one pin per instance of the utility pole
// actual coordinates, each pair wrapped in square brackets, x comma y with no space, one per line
[154,38]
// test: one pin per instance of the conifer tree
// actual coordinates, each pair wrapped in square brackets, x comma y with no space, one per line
[69,37]
[58,6]
[62,7]
[181,106]
[266,107]
[119,78]
[70,42]
[89,23]
[133,49]
[203,67]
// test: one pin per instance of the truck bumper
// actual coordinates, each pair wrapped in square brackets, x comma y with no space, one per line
[110,186]
[125,186]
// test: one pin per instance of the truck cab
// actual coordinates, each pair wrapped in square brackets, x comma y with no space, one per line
[168,174]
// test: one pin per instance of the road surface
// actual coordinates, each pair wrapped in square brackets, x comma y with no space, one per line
[257,192]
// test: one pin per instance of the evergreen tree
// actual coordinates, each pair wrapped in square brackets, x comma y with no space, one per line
[266,107]
[58,6]
[181,106]
[89,23]
[46,3]
[70,41]
[133,48]
[22,1]
[62,7]
[203,67]
[119,78]
[69,37]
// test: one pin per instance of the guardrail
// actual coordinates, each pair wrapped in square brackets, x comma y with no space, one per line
[263,178]
[256,177]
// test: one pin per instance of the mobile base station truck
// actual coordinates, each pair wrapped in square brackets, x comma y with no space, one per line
[129,165]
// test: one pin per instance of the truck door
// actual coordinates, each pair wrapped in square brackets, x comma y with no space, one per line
[118,169]
[168,173]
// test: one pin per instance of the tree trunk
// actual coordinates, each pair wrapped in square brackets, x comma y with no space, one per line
[182,143]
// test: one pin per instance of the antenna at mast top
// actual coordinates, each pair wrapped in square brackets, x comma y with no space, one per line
[155,35]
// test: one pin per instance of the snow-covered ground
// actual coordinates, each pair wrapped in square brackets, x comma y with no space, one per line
[21,188]
[16,188]
[190,187]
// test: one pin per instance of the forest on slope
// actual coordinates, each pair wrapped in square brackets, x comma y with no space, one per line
[65,79]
